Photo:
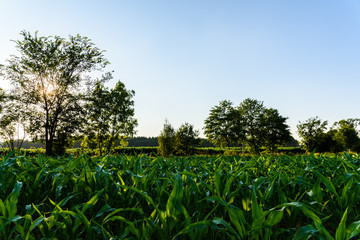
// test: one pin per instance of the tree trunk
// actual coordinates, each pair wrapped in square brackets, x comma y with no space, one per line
[49,147]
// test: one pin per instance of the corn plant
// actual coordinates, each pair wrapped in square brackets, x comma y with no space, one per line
[197,197]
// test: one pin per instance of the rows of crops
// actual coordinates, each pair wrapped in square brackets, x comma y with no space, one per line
[140,197]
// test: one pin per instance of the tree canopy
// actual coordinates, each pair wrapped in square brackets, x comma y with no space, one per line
[250,124]
[221,125]
[181,141]
[110,115]
[341,136]
[49,78]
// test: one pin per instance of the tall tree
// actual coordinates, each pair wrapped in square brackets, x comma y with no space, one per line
[275,131]
[311,132]
[186,139]
[252,112]
[110,115]
[222,126]
[346,133]
[12,124]
[251,124]
[47,80]
[167,140]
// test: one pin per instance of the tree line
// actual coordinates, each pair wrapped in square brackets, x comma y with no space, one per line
[252,125]
[55,100]
[342,136]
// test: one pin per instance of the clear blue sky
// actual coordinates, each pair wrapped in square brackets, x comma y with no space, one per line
[183,57]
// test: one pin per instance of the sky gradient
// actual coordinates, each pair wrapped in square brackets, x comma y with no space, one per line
[184,57]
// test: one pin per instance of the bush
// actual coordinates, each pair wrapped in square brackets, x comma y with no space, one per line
[167,140]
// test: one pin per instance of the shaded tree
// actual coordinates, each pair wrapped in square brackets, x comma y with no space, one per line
[222,127]
[275,130]
[12,125]
[253,120]
[110,115]
[47,80]
[186,139]
[311,132]
[167,139]
[346,134]
[250,124]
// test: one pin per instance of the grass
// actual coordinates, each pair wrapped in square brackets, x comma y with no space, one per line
[198,197]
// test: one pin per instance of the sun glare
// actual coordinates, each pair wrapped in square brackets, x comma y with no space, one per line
[49,89]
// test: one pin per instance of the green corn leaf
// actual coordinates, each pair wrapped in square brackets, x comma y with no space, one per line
[133,229]
[92,201]
[317,192]
[327,183]
[137,210]
[39,176]
[149,200]
[175,197]
[187,173]
[307,212]
[275,217]
[353,230]
[2,208]
[36,222]
[305,233]
[194,226]
[346,195]
[13,219]
[11,202]
[237,218]
[80,215]
[341,230]
[228,185]
[104,209]
[218,182]
[256,211]
[220,221]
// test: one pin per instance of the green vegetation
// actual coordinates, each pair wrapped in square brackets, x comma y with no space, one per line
[219,193]
[250,124]
[342,136]
[109,116]
[183,141]
[53,98]
[140,197]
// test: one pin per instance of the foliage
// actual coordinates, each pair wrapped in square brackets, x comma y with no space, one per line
[252,114]
[342,135]
[47,79]
[139,197]
[221,125]
[274,130]
[142,142]
[346,134]
[12,124]
[311,132]
[183,141]
[250,124]
[186,139]
[167,140]
[110,115]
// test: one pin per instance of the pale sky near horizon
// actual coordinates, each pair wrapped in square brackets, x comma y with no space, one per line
[184,57]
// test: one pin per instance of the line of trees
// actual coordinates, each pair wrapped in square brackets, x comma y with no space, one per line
[342,136]
[54,100]
[182,141]
[251,125]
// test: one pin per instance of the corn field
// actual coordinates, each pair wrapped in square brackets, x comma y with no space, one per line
[197,197]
